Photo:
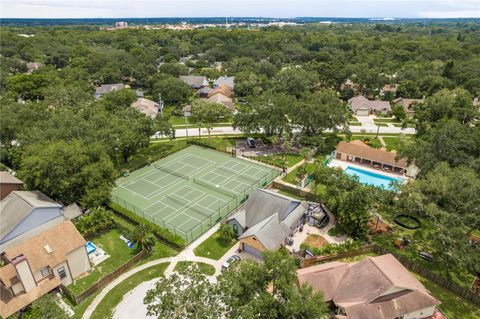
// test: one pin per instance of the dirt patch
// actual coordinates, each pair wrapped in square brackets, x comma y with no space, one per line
[314,240]
[381,228]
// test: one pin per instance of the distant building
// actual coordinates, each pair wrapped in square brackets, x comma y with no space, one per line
[195,81]
[204,92]
[375,288]
[222,99]
[32,66]
[107,88]
[361,106]
[408,105]
[225,80]
[223,89]
[387,88]
[147,107]
[121,24]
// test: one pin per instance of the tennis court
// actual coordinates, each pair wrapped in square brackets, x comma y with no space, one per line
[191,190]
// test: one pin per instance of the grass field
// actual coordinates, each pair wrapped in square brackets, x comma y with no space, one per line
[204,268]
[213,247]
[190,190]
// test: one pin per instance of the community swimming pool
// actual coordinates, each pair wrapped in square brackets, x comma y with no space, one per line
[371,178]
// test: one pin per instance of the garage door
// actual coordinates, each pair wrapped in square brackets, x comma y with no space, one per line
[362,112]
[252,251]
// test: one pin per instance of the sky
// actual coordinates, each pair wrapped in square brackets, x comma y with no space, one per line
[239,8]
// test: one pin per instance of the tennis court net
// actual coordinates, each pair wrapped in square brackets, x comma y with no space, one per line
[248,178]
[169,171]
[212,187]
[187,205]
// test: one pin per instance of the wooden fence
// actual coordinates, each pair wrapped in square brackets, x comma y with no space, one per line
[102,282]
[307,262]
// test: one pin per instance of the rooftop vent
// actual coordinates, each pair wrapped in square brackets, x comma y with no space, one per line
[48,249]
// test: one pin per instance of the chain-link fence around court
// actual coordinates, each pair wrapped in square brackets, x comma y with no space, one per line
[214,217]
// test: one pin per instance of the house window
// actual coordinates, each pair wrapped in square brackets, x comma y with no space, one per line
[45,271]
[62,273]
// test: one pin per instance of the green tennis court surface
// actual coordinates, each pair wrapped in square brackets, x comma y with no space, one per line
[191,190]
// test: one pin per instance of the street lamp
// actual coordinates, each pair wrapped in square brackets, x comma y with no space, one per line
[116,155]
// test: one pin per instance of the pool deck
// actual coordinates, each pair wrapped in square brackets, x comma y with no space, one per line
[343,165]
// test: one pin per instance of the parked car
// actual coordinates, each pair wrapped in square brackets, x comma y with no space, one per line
[230,261]
[251,142]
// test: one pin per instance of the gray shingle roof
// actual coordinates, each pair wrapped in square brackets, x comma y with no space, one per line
[195,81]
[18,204]
[225,80]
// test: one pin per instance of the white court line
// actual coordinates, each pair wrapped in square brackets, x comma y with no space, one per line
[133,193]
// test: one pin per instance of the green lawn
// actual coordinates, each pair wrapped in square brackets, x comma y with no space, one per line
[293,176]
[114,296]
[393,143]
[452,305]
[386,120]
[353,123]
[80,309]
[204,268]
[119,254]
[213,247]
[291,159]
[369,140]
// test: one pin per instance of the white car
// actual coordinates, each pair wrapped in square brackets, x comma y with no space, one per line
[230,261]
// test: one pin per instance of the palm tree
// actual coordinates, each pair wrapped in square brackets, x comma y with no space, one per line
[305,152]
[143,237]
[287,146]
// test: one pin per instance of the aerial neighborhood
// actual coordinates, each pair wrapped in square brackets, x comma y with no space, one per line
[291,168]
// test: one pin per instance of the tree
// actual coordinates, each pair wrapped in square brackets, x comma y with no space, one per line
[294,81]
[227,234]
[399,112]
[144,238]
[274,140]
[163,127]
[173,69]
[267,112]
[453,213]
[69,172]
[353,212]
[45,307]
[184,295]
[208,113]
[316,112]
[408,89]
[171,89]
[306,154]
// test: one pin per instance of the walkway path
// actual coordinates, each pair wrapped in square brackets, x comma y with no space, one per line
[186,255]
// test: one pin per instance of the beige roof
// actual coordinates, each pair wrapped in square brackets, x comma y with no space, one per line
[9,306]
[375,288]
[324,277]
[222,99]
[370,153]
[361,102]
[8,275]
[7,178]
[146,106]
[407,104]
[62,239]
[223,89]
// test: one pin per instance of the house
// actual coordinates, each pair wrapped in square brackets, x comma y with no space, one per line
[40,249]
[39,265]
[195,81]
[222,99]
[408,105]
[225,80]
[361,106]
[203,92]
[375,288]
[266,221]
[8,184]
[107,88]
[360,153]
[223,89]
[147,107]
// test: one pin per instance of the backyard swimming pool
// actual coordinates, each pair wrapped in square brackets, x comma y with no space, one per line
[371,178]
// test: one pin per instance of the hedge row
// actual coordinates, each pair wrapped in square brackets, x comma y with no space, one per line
[162,234]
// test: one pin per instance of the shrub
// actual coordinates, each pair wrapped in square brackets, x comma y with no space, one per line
[98,220]
[161,233]
[227,234]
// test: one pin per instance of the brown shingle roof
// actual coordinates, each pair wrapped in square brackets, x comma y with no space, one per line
[8,273]
[324,277]
[146,106]
[223,89]
[370,153]
[62,239]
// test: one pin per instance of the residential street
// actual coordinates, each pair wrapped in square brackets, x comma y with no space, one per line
[364,128]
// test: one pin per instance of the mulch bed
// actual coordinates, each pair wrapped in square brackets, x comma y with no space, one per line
[314,240]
